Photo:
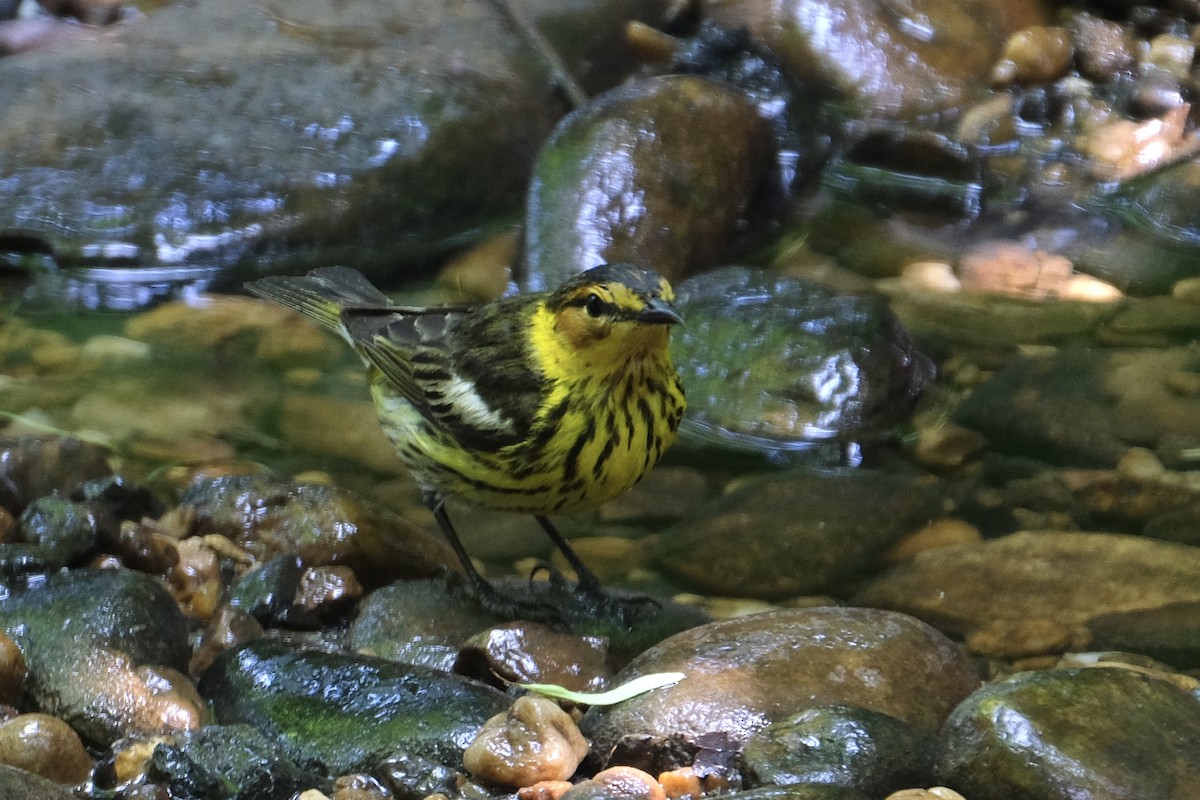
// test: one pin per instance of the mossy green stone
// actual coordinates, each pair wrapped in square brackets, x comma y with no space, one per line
[341,713]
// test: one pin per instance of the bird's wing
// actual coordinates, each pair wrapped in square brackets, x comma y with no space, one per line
[463,385]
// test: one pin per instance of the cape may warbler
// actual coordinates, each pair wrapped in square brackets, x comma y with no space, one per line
[536,403]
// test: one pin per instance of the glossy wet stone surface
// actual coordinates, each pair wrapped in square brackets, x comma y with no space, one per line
[743,674]
[399,708]
[1106,732]
[87,636]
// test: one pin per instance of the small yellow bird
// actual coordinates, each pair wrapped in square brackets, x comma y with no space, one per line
[537,403]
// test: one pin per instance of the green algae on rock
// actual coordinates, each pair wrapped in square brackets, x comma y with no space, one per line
[341,713]
[93,641]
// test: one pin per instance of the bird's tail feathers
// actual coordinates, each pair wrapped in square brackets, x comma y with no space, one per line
[321,294]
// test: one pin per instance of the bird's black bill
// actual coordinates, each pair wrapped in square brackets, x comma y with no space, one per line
[659,313]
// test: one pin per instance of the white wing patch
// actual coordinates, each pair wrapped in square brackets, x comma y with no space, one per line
[471,408]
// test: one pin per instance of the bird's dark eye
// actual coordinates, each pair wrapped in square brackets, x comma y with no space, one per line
[593,305]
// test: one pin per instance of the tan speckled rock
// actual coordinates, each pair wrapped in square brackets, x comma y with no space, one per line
[44,745]
[534,740]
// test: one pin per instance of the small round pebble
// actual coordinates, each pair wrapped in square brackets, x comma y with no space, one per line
[44,745]
[930,276]
[1138,462]
[682,783]
[618,783]
[1037,54]
[1022,638]
[1087,289]
[12,669]
[933,793]
[533,741]
[327,588]
[944,532]
[544,790]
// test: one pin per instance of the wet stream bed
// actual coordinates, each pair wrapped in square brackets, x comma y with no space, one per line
[931,528]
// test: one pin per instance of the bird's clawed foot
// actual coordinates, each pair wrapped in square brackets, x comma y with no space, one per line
[586,599]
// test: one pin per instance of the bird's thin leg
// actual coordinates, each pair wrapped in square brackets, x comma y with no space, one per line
[585,578]
[488,596]
[437,505]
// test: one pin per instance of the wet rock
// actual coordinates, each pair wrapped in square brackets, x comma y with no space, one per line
[268,593]
[228,629]
[525,652]
[230,761]
[416,622]
[19,784]
[825,367]
[321,523]
[449,81]
[797,533]
[744,674]
[839,746]
[63,532]
[1101,733]
[1038,54]
[411,775]
[327,589]
[964,318]
[1102,47]
[1083,407]
[12,670]
[930,56]
[1067,578]
[617,783]
[661,171]
[358,438]
[534,740]
[1169,633]
[342,713]
[33,466]
[46,746]
[91,639]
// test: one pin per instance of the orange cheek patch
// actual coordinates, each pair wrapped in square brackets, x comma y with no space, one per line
[578,328]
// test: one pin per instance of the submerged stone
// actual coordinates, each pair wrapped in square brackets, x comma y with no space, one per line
[1084,407]
[796,533]
[1069,578]
[33,466]
[1101,733]
[341,713]
[775,365]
